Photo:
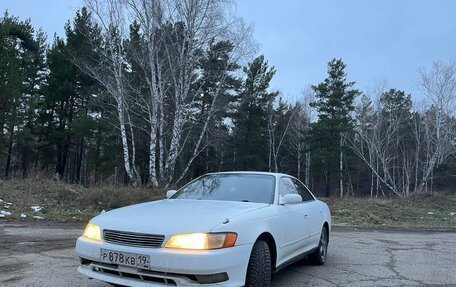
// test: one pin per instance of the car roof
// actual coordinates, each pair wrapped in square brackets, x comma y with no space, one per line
[276,174]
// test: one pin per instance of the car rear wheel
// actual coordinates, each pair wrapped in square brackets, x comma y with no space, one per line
[259,269]
[318,257]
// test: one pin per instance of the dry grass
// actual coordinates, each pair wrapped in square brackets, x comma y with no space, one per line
[420,210]
[64,202]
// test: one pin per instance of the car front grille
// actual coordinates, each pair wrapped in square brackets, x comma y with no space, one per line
[133,239]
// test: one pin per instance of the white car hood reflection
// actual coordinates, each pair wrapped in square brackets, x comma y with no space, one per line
[172,216]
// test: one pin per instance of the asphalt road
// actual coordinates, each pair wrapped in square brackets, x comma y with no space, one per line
[42,254]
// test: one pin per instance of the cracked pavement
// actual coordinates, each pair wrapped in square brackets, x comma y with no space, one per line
[42,254]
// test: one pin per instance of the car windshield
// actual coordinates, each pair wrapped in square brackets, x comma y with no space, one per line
[230,187]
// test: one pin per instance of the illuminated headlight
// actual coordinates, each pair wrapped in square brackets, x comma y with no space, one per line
[92,231]
[202,241]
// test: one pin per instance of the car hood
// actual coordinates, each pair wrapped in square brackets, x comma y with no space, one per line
[173,216]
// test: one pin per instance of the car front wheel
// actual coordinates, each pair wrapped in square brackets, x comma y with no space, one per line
[318,257]
[259,269]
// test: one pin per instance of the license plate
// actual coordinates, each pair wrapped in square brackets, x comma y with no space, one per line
[125,258]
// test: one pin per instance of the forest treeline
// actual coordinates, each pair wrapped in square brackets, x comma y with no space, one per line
[158,92]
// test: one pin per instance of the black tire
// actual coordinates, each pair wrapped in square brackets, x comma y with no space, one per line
[259,269]
[318,257]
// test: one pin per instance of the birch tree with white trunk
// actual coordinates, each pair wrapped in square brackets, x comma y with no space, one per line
[186,28]
[197,23]
[170,35]
[279,124]
[108,69]
[374,143]
[146,56]
[438,84]
[299,128]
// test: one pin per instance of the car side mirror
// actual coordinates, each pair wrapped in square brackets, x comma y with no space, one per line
[170,193]
[290,199]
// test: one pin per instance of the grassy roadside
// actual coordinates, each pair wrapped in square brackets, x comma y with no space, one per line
[420,210]
[49,200]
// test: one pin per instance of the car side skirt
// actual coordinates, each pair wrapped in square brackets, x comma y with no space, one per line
[295,259]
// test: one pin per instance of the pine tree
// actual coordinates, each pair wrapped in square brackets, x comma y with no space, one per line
[250,119]
[72,118]
[17,84]
[61,101]
[217,79]
[334,104]
[35,70]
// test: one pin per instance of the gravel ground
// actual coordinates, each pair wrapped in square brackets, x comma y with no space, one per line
[42,254]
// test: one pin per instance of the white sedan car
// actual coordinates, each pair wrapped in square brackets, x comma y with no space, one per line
[221,229]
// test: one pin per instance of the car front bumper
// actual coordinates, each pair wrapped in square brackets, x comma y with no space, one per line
[168,267]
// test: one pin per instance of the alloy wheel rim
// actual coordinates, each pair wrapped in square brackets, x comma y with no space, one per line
[323,244]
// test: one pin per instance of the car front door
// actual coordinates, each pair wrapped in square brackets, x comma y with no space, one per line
[295,219]
[314,214]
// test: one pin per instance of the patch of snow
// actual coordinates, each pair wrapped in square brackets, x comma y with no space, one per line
[430,213]
[23,215]
[1,200]
[103,211]
[5,213]
[2,215]
[38,217]
[7,205]
[36,208]
[452,213]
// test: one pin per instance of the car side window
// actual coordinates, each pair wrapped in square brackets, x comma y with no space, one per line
[287,186]
[303,191]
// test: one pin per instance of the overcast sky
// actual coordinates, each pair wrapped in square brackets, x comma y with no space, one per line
[379,40]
